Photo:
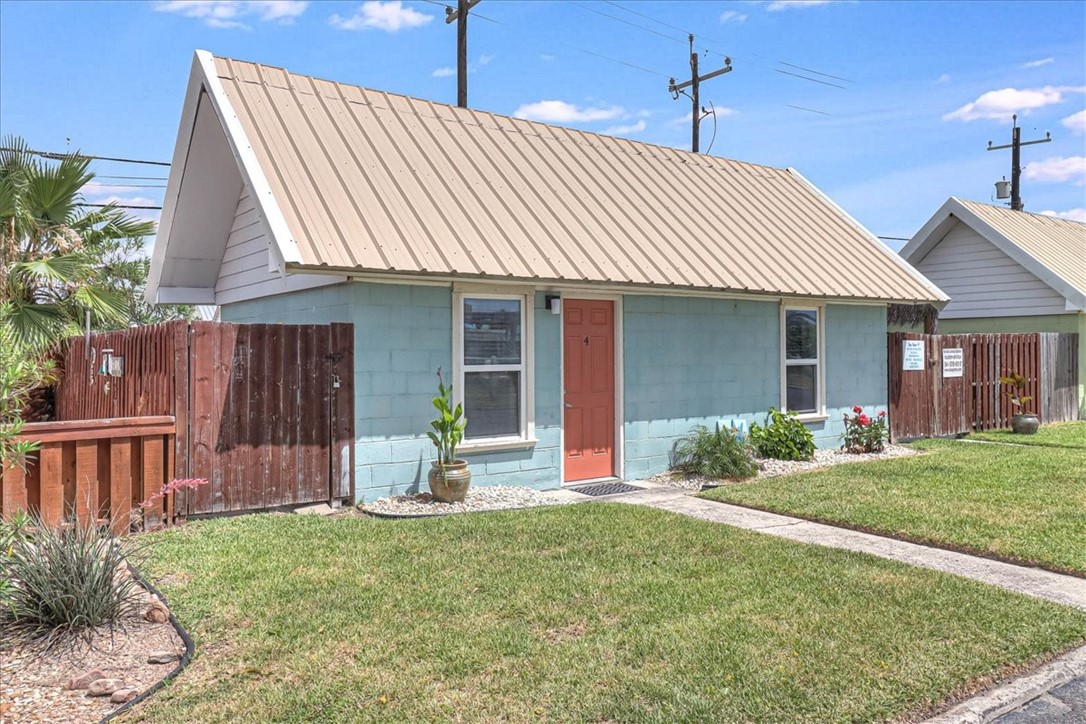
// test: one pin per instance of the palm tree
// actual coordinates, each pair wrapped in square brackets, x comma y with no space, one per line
[51,247]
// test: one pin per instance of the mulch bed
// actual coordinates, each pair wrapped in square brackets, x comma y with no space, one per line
[33,684]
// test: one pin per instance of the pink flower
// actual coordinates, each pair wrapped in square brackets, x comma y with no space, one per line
[882,414]
[864,420]
[857,409]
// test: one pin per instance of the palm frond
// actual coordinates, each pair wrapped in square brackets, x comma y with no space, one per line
[106,305]
[67,269]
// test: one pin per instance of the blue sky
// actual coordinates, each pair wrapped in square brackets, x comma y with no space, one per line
[926,84]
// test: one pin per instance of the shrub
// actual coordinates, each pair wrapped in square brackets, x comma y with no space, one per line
[64,582]
[722,453]
[864,434]
[782,437]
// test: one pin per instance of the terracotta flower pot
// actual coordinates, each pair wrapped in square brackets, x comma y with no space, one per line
[1025,424]
[449,483]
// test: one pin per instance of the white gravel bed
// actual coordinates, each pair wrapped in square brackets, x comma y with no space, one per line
[770,468]
[488,497]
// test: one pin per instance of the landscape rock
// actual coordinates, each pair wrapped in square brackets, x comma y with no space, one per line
[83,680]
[123,696]
[104,687]
[162,657]
[157,613]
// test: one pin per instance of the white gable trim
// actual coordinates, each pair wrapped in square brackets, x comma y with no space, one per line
[203,78]
[876,241]
[937,227]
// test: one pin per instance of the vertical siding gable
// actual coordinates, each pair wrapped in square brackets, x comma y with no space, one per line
[983,281]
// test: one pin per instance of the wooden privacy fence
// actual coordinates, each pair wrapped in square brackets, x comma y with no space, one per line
[956,388]
[265,412]
[93,471]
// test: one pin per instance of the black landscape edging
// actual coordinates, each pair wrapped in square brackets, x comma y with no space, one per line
[190,649]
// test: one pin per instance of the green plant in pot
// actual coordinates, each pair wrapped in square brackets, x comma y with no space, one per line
[1023,422]
[449,478]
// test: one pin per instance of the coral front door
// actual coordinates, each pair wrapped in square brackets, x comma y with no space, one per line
[589,344]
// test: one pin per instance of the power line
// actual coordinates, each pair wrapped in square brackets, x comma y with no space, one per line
[134,178]
[813,80]
[127,186]
[626,22]
[620,62]
[712,40]
[809,110]
[61,156]
[121,206]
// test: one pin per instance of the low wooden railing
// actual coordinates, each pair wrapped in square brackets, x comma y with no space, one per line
[94,470]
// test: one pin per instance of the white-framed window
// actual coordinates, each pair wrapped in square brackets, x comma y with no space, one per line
[802,354]
[492,365]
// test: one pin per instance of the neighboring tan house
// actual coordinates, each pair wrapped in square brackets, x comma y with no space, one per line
[590,298]
[1006,271]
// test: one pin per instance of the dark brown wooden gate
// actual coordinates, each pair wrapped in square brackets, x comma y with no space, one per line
[926,403]
[265,412]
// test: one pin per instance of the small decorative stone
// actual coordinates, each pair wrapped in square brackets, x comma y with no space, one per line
[157,613]
[162,657]
[104,687]
[83,680]
[123,696]
[489,497]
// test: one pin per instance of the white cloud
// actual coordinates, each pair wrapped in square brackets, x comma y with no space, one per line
[562,112]
[1057,169]
[943,79]
[1000,105]
[1072,214]
[390,16]
[1076,122]
[1038,63]
[444,72]
[624,130]
[230,13]
[485,59]
[547,57]
[779,5]
[733,16]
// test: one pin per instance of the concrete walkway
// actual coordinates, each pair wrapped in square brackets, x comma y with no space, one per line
[1054,693]
[1068,590]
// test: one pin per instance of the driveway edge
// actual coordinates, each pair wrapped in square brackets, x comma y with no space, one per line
[990,705]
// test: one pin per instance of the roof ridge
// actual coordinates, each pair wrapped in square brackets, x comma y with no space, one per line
[706,160]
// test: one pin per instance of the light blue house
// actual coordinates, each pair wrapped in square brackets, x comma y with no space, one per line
[590,298]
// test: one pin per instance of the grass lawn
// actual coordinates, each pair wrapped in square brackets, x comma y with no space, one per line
[1060,434]
[579,613]
[1020,503]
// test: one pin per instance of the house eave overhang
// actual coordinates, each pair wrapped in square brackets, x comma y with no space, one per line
[587,285]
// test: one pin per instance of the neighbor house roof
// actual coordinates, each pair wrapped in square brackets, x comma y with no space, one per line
[353,180]
[1052,249]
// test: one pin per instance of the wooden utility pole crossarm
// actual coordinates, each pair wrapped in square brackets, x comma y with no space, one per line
[460,16]
[1016,160]
[697,112]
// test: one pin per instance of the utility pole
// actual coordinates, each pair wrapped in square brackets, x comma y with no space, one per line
[460,15]
[697,112]
[1016,160]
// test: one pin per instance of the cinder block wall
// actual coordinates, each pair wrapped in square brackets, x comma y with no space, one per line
[403,333]
[688,361]
[691,361]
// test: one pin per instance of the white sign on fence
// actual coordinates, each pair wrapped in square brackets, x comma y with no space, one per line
[953,362]
[913,358]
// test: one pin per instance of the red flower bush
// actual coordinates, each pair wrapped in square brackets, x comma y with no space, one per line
[864,435]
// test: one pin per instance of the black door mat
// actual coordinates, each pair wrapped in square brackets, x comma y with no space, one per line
[597,489]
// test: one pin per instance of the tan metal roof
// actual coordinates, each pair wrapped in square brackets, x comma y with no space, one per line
[385,183]
[1059,244]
